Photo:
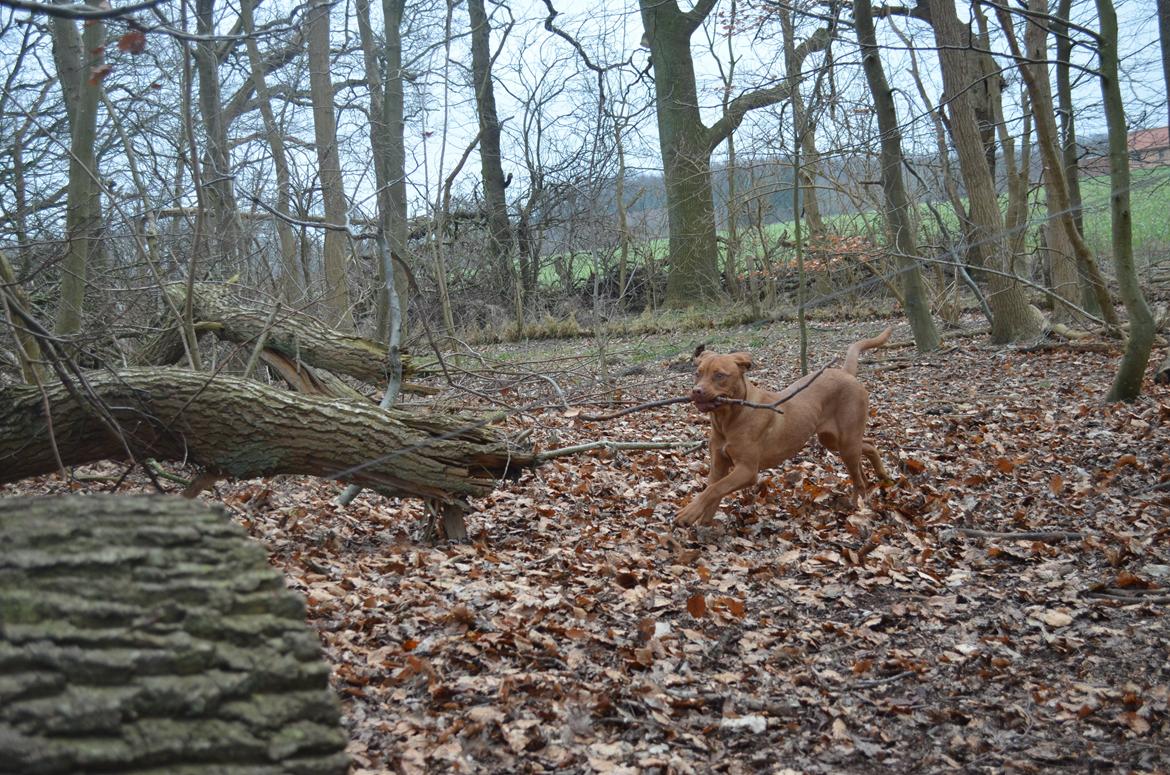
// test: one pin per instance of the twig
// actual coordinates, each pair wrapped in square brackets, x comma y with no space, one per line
[879,681]
[1044,536]
[783,399]
[689,445]
[261,341]
[1114,596]
[632,409]
[718,400]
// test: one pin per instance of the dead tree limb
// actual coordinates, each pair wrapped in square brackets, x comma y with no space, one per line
[295,335]
[241,429]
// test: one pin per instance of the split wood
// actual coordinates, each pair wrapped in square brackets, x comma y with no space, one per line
[774,406]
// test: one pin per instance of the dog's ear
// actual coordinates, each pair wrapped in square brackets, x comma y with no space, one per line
[700,351]
[742,360]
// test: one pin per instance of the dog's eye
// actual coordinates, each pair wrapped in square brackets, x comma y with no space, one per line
[720,376]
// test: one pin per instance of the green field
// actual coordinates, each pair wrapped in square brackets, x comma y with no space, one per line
[1149,202]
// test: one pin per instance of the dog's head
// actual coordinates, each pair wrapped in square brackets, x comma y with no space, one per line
[718,376]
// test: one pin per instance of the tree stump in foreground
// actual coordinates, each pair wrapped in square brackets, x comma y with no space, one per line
[149,634]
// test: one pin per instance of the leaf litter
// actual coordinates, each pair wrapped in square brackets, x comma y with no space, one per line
[1000,606]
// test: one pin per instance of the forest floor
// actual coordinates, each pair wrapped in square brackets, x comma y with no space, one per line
[1000,607]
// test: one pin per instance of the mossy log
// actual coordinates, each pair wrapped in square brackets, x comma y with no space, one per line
[299,337]
[149,635]
[242,429]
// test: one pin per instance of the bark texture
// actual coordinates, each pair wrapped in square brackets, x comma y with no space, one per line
[329,163]
[223,229]
[495,201]
[242,429]
[1127,383]
[149,635]
[297,337]
[1069,256]
[686,142]
[893,186]
[292,283]
[79,58]
[1013,319]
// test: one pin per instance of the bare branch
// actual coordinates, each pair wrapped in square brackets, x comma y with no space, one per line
[77,10]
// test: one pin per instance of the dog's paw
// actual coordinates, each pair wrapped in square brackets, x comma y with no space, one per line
[691,514]
[694,514]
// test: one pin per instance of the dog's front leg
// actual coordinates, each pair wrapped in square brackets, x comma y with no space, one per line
[720,462]
[703,506]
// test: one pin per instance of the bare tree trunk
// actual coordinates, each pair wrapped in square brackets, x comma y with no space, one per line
[223,227]
[1127,384]
[329,161]
[202,661]
[28,348]
[1067,248]
[292,289]
[1013,318]
[1162,375]
[1091,289]
[622,214]
[1164,37]
[687,143]
[491,164]
[694,271]
[731,261]
[810,163]
[893,186]
[79,59]
[387,129]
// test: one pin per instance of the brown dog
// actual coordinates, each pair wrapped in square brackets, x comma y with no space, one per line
[831,404]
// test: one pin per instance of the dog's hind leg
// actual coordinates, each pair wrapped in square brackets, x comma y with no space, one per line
[871,454]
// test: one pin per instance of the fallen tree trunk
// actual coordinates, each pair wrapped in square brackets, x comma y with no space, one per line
[150,634]
[242,429]
[296,336]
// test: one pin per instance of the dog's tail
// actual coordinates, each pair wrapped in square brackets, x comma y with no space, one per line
[857,348]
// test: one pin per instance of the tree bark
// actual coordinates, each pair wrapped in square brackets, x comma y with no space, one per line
[1069,255]
[298,337]
[28,347]
[79,59]
[1127,383]
[329,163]
[810,163]
[1164,39]
[149,633]
[893,186]
[242,429]
[1162,374]
[292,289]
[491,165]
[694,265]
[387,129]
[1013,318]
[223,227]
[687,143]
[1090,288]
